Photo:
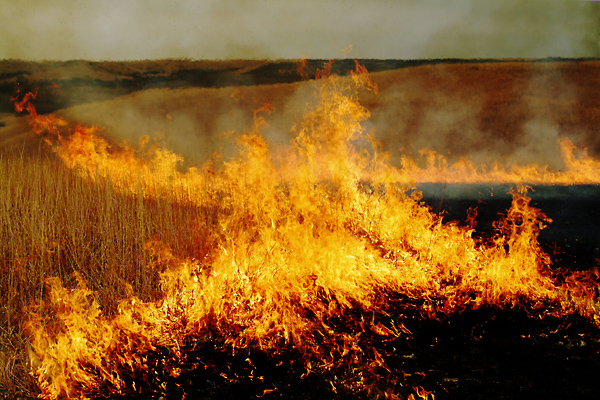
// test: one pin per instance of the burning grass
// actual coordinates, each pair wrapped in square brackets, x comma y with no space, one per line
[55,222]
[313,263]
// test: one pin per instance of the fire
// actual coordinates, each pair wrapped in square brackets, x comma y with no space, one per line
[84,149]
[580,169]
[317,254]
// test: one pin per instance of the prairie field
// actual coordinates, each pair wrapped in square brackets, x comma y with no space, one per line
[242,177]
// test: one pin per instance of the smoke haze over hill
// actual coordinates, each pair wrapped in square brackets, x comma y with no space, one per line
[134,29]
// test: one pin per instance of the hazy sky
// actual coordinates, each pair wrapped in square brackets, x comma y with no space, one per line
[221,29]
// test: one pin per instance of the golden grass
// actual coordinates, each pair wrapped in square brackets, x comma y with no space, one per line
[55,223]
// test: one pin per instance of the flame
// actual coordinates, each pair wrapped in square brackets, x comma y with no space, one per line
[84,149]
[580,168]
[314,253]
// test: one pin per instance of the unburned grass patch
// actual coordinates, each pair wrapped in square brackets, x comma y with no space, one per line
[53,222]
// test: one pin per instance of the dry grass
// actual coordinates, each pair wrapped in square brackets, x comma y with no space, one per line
[55,223]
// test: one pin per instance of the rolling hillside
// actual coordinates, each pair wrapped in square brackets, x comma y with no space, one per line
[486,110]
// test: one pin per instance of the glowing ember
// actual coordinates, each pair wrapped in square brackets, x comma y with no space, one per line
[314,253]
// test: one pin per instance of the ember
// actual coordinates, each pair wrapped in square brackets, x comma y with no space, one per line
[319,268]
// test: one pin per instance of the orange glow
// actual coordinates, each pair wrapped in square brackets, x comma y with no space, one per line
[85,149]
[300,243]
[580,168]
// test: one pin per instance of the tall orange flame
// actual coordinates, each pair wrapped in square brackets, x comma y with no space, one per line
[313,253]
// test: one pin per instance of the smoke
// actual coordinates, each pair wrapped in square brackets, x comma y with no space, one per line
[430,107]
[517,29]
[548,100]
[197,122]
[409,117]
[154,29]
[494,112]
[184,120]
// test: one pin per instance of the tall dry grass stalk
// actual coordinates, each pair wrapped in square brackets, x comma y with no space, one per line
[53,222]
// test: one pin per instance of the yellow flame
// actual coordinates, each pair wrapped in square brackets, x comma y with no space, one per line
[299,242]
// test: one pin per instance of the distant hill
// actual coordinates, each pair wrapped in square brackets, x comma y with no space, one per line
[487,110]
[83,81]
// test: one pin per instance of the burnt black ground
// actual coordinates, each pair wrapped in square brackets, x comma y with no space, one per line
[572,239]
[482,354]
[510,355]
[487,353]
